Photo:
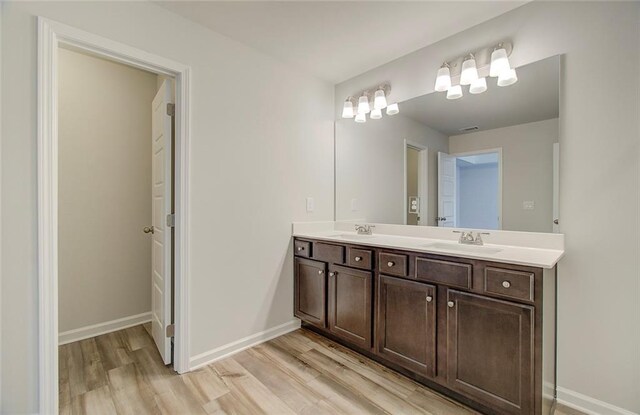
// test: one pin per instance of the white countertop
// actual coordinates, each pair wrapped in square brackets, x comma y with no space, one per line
[512,254]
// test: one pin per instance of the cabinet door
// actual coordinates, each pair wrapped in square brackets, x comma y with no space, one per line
[406,324]
[310,288]
[350,307]
[490,353]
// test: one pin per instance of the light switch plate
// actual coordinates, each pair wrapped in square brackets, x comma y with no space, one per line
[310,204]
[528,205]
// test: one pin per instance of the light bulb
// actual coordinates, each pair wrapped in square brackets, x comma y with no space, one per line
[393,109]
[376,114]
[347,109]
[499,61]
[361,117]
[454,92]
[443,79]
[469,70]
[379,99]
[478,86]
[363,104]
[507,78]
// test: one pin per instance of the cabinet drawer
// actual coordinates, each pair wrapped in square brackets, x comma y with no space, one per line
[509,283]
[359,258]
[454,274]
[302,248]
[329,253]
[393,264]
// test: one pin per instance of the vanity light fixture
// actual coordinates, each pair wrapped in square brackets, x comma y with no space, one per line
[376,114]
[380,99]
[363,103]
[499,61]
[443,79]
[469,70]
[507,78]
[361,117]
[478,86]
[347,108]
[393,109]
[454,92]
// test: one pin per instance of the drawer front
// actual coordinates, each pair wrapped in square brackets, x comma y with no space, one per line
[454,274]
[509,283]
[393,264]
[329,253]
[360,258]
[302,248]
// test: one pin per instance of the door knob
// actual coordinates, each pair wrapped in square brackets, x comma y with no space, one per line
[148,229]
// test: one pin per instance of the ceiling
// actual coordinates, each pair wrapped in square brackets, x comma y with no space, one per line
[337,40]
[535,97]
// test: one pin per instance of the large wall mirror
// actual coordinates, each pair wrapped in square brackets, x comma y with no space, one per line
[485,161]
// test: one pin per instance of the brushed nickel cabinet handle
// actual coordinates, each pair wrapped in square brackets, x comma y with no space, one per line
[148,229]
[333,274]
[321,272]
[506,284]
[300,248]
[358,259]
[429,299]
[450,304]
[390,263]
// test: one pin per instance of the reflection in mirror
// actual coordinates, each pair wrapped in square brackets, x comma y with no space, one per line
[485,161]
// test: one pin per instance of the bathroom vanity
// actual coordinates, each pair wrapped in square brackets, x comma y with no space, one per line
[475,323]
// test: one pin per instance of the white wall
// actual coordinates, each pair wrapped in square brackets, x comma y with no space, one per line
[599,311]
[247,110]
[370,167]
[104,182]
[527,170]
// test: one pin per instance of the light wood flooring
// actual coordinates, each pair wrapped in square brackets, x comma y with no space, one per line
[298,373]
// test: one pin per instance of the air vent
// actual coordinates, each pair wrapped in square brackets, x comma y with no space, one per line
[467,129]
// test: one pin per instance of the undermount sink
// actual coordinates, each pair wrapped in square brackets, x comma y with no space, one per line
[463,248]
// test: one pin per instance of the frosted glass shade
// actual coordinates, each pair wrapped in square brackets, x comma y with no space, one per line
[478,86]
[347,109]
[507,78]
[393,109]
[363,105]
[443,79]
[361,117]
[499,62]
[454,92]
[376,114]
[469,72]
[379,100]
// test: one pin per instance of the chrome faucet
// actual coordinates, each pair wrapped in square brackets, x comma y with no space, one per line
[364,229]
[467,238]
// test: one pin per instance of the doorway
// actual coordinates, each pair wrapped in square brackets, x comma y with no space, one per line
[415,183]
[51,37]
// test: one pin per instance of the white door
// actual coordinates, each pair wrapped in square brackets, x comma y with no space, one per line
[161,267]
[446,190]
[556,187]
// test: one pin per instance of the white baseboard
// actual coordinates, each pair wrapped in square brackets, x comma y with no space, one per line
[588,405]
[229,349]
[102,328]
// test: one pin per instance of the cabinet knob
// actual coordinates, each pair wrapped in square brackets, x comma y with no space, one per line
[450,304]
[321,272]
[358,258]
[300,248]
[333,274]
[429,299]
[390,263]
[506,284]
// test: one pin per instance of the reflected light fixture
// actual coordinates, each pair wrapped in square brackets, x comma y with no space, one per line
[478,86]
[361,117]
[454,92]
[507,78]
[469,70]
[376,114]
[443,79]
[499,61]
[363,103]
[347,108]
[380,99]
[393,109]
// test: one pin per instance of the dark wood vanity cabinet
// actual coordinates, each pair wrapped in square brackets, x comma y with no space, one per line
[469,328]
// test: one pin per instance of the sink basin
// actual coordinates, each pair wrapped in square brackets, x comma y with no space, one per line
[486,250]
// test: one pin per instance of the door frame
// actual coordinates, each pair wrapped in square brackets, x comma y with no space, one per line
[485,151]
[51,35]
[423,179]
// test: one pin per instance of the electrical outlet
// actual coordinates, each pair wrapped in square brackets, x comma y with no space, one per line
[310,204]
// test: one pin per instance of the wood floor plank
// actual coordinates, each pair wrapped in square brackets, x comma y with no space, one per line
[137,338]
[344,398]
[227,404]
[288,362]
[131,392]
[205,385]
[437,404]
[95,402]
[64,391]
[94,373]
[114,351]
[75,367]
